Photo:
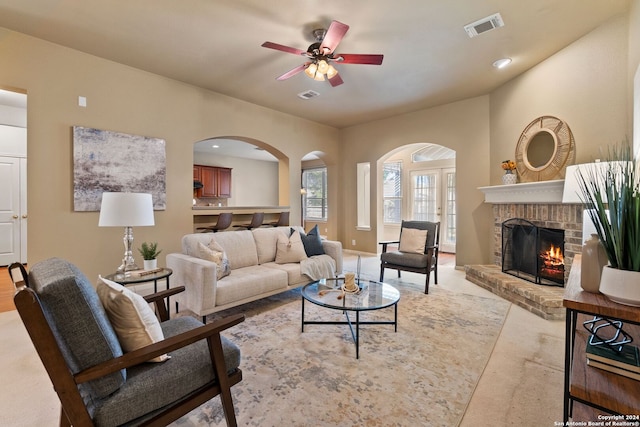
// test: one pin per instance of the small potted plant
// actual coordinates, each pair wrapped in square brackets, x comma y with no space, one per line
[149,252]
[611,195]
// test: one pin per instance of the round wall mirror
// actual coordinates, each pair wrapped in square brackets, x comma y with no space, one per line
[545,148]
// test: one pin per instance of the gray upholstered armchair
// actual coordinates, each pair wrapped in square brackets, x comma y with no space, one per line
[100,384]
[417,250]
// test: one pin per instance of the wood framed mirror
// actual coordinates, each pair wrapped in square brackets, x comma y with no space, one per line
[544,150]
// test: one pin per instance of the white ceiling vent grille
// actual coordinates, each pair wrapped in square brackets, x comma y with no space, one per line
[308,94]
[483,25]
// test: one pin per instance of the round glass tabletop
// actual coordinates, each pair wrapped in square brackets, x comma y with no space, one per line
[372,296]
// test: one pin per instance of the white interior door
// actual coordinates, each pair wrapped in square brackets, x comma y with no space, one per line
[433,199]
[10,211]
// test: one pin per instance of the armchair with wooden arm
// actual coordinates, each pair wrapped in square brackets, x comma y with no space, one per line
[417,256]
[96,382]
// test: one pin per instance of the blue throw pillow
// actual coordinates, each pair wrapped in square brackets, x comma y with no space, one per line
[312,242]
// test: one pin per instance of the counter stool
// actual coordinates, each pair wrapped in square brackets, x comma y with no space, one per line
[256,221]
[282,221]
[224,221]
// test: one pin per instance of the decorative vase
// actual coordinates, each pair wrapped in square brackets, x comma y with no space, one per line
[594,259]
[621,286]
[509,178]
[150,264]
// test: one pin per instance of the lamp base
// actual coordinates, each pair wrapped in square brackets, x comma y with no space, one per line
[128,263]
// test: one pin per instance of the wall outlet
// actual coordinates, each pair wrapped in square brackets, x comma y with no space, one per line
[353,242]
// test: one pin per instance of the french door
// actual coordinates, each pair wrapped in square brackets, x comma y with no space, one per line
[433,198]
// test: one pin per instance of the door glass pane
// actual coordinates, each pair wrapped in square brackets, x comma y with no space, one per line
[425,197]
[450,231]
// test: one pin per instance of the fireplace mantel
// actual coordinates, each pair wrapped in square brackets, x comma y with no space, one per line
[526,192]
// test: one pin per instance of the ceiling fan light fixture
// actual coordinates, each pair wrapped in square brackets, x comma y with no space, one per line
[323,66]
[311,70]
[331,72]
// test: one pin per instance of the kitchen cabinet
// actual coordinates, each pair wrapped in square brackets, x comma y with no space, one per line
[216,181]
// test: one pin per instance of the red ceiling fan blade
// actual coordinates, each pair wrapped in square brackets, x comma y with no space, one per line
[334,35]
[335,80]
[284,48]
[356,58]
[293,72]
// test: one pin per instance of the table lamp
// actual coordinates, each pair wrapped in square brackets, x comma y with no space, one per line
[126,210]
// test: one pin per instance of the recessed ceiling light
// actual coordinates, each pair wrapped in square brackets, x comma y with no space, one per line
[215,146]
[501,63]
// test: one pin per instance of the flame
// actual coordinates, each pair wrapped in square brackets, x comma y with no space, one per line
[554,254]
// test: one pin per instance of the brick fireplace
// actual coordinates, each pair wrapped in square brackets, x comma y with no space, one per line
[541,204]
[549,215]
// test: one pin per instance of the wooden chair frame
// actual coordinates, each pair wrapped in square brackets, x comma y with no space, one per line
[74,411]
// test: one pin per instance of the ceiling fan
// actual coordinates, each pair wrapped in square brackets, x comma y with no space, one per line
[322,53]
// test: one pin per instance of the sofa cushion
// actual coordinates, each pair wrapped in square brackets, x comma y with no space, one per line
[240,247]
[133,320]
[290,249]
[312,242]
[266,240]
[214,253]
[82,329]
[248,282]
[294,273]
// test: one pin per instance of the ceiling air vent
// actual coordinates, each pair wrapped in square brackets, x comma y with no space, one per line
[483,25]
[308,94]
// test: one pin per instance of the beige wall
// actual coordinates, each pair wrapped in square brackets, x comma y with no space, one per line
[127,100]
[634,72]
[461,126]
[584,84]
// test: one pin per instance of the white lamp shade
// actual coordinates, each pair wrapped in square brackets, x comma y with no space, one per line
[126,210]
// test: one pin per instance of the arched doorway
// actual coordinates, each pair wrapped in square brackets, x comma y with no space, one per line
[418,182]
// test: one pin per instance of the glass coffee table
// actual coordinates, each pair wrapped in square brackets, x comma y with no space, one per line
[372,296]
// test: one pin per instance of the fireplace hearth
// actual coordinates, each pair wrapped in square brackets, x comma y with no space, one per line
[533,253]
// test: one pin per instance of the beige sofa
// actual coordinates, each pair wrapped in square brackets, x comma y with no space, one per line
[254,272]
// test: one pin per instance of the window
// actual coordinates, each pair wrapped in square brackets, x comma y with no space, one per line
[392,192]
[364,198]
[314,204]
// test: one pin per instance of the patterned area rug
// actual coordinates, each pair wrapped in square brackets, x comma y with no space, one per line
[424,374]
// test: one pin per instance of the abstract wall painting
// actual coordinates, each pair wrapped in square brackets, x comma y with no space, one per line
[113,161]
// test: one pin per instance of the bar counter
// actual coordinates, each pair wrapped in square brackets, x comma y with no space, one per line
[204,216]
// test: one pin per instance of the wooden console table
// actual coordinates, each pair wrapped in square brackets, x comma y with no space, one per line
[602,390]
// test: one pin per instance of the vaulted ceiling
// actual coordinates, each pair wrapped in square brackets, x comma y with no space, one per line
[216,44]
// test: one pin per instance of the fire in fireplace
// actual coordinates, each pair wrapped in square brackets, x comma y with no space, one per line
[533,253]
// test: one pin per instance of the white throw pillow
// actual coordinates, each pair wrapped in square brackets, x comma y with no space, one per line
[290,249]
[131,317]
[215,253]
[413,240]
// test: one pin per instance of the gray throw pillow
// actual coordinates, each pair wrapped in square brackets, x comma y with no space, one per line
[312,242]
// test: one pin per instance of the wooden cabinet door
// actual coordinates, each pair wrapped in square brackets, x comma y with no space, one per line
[209,178]
[224,182]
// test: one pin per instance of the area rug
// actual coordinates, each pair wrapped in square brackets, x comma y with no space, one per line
[423,374]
